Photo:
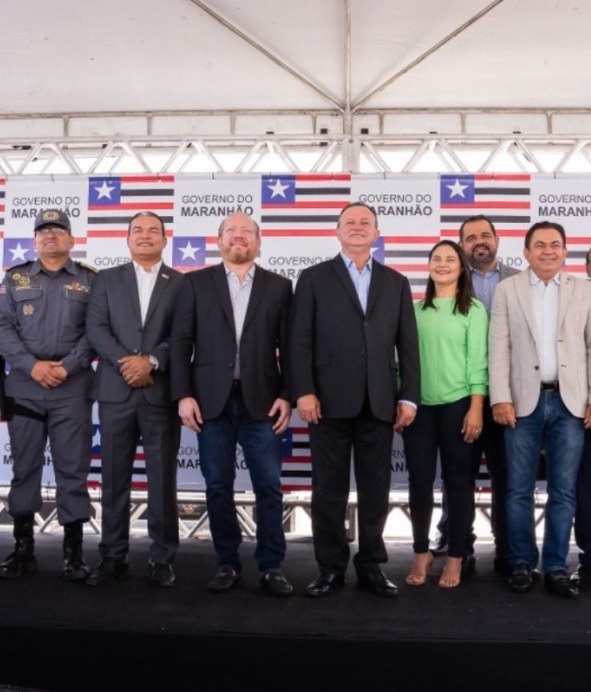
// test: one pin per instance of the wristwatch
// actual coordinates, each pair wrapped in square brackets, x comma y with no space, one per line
[153,362]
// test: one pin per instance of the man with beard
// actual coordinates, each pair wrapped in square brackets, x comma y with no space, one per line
[229,376]
[478,238]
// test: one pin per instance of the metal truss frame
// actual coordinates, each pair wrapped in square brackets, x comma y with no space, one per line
[296,153]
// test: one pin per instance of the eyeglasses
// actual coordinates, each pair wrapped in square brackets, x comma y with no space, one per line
[58,230]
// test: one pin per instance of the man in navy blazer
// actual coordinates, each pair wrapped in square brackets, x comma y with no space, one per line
[354,371]
[229,376]
[128,323]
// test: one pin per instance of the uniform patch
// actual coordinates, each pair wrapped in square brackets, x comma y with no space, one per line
[78,287]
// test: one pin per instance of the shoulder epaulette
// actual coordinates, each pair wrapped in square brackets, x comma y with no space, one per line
[28,263]
[94,270]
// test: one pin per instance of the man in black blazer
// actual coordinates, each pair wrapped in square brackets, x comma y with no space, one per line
[354,370]
[228,374]
[128,323]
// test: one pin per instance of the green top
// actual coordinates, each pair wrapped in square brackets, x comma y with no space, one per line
[453,351]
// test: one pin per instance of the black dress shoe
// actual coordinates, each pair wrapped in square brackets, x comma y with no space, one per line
[468,565]
[521,578]
[377,583]
[108,571]
[75,567]
[439,546]
[582,576]
[226,577]
[559,584]
[161,574]
[325,584]
[275,584]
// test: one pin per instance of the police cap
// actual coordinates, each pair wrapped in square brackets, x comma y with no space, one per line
[52,217]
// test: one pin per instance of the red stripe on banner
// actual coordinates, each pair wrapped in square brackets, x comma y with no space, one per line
[111,233]
[304,461]
[414,239]
[282,233]
[339,204]
[409,267]
[517,177]
[502,233]
[487,205]
[315,177]
[130,205]
[146,178]
[578,241]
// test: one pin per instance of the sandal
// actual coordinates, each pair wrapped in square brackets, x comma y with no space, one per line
[421,568]
[452,573]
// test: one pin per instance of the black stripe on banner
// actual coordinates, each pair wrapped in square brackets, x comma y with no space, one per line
[492,217]
[299,219]
[296,474]
[418,254]
[345,191]
[158,192]
[502,191]
[123,220]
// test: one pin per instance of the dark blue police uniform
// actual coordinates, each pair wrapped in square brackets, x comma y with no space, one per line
[42,317]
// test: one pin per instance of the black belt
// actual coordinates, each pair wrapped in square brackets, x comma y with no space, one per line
[549,387]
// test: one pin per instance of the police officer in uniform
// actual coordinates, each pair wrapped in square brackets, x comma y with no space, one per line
[42,337]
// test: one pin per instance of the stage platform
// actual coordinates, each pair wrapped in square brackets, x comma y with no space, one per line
[64,637]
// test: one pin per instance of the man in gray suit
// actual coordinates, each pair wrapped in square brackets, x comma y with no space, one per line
[128,323]
[355,376]
[540,390]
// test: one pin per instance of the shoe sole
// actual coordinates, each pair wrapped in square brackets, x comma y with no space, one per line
[31,568]
[217,589]
[109,580]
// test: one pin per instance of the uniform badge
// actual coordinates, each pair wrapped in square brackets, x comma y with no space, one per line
[28,309]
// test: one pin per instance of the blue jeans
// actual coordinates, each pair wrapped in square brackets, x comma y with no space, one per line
[561,434]
[263,455]
[583,513]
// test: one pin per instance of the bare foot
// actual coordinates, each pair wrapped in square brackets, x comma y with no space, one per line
[452,573]
[421,568]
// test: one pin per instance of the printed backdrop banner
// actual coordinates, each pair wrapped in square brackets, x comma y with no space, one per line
[297,214]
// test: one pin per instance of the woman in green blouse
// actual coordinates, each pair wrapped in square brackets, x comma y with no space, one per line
[452,327]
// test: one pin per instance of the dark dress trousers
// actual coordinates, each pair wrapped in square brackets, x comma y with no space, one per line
[359,365]
[129,415]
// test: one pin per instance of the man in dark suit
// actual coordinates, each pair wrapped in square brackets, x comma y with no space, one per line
[354,369]
[128,323]
[228,374]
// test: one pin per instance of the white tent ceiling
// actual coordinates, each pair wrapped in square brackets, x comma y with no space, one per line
[355,65]
[154,55]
